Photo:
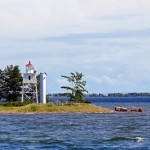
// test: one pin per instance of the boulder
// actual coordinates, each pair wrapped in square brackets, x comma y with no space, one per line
[121,109]
[124,109]
[117,108]
[135,109]
[141,109]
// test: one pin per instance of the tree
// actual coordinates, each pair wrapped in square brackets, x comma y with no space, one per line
[77,89]
[38,85]
[1,83]
[11,83]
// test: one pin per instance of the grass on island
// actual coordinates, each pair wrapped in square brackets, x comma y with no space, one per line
[57,107]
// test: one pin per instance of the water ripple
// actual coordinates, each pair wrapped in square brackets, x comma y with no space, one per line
[75,131]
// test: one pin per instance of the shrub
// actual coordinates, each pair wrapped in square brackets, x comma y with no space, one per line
[15,104]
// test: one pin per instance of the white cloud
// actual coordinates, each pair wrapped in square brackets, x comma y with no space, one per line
[95,79]
[62,82]
[108,40]
[56,17]
[103,80]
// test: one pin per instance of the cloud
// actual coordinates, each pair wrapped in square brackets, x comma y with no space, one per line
[62,82]
[106,40]
[103,80]
[95,79]
[58,17]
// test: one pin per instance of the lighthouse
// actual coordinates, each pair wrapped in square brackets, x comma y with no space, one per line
[29,88]
[30,68]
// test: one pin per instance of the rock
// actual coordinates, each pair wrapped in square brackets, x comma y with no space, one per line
[124,109]
[141,109]
[135,109]
[117,108]
[121,109]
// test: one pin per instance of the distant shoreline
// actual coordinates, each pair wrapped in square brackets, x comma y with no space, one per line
[110,96]
[129,94]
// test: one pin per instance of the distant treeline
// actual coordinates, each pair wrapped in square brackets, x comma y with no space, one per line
[146,94]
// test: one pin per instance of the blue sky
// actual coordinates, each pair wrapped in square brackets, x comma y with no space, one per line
[108,41]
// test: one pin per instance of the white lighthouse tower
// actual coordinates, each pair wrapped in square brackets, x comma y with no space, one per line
[29,88]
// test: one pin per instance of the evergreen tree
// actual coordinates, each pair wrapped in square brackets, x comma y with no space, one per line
[1,84]
[77,89]
[11,83]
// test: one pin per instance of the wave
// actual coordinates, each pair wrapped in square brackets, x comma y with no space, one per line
[136,139]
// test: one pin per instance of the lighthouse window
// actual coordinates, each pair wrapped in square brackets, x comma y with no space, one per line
[29,77]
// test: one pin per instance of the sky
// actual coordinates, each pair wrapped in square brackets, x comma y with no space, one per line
[106,40]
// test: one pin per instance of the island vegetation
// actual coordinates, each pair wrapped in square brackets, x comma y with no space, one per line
[51,107]
[76,88]
[10,83]
[141,94]
[11,87]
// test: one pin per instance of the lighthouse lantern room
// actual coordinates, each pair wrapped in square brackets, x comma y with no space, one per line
[30,68]
[29,88]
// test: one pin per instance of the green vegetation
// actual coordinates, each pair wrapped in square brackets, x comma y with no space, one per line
[145,94]
[57,107]
[77,87]
[15,104]
[10,89]
[10,83]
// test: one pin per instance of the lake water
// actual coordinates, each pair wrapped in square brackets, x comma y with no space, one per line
[118,131]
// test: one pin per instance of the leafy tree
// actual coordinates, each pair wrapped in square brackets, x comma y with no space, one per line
[77,89]
[11,83]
